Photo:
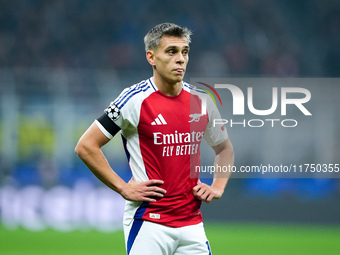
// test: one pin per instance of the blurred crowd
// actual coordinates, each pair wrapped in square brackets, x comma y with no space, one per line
[56,59]
[236,38]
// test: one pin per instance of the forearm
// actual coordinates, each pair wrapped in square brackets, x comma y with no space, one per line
[99,166]
[224,160]
[89,150]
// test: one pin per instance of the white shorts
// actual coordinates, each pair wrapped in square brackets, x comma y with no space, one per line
[148,238]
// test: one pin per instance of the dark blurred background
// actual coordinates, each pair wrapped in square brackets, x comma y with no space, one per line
[62,62]
[245,37]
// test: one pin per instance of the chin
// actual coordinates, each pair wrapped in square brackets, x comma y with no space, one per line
[179,78]
[174,78]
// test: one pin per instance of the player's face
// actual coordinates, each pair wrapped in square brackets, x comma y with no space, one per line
[171,58]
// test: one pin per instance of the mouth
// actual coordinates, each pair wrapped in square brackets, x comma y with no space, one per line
[179,70]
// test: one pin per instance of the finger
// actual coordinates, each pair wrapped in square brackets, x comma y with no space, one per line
[201,185]
[203,196]
[142,198]
[154,194]
[198,191]
[148,199]
[156,189]
[153,182]
[198,187]
[201,190]
[209,198]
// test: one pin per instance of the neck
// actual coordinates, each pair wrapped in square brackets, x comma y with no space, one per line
[166,87]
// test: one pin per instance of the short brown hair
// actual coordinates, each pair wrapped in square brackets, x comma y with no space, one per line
[153,37]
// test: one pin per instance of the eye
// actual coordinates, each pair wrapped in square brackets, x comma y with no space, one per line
[185,52]
[171,51]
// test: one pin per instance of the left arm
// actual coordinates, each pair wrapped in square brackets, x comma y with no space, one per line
[224,157]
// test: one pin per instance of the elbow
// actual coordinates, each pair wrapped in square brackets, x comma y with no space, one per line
[77,149]
[80,149]
[86,148]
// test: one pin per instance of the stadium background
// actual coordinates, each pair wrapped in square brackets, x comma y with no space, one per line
[62,62]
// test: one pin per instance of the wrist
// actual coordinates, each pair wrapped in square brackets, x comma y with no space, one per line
[120,187]
[219,185]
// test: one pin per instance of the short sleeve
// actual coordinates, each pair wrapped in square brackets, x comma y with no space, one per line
[119,115]
[215,132]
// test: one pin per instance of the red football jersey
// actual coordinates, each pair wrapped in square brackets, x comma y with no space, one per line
[162,136]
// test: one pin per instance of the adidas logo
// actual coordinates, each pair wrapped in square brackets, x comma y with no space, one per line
[159,120]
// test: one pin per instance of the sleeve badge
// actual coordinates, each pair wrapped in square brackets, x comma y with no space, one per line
[113,111]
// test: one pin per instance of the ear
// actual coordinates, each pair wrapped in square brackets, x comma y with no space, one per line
[150,57]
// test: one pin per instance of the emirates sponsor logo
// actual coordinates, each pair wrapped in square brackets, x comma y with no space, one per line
[178,144]
[177,138]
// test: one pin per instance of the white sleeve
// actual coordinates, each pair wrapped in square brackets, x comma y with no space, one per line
[124,110]
[214,133]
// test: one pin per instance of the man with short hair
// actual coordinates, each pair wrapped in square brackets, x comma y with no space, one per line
[162,213]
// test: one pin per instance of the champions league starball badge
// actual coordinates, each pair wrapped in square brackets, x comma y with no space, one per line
[113,112]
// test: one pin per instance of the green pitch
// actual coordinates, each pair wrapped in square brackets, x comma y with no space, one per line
[225,238]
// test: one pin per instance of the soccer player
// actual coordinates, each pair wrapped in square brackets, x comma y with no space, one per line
[162,121]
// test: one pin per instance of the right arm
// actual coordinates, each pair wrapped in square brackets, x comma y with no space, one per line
[89,151]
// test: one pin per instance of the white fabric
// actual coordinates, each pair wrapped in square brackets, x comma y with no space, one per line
[156,239]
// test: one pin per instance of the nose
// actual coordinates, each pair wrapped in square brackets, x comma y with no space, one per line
[180,58]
